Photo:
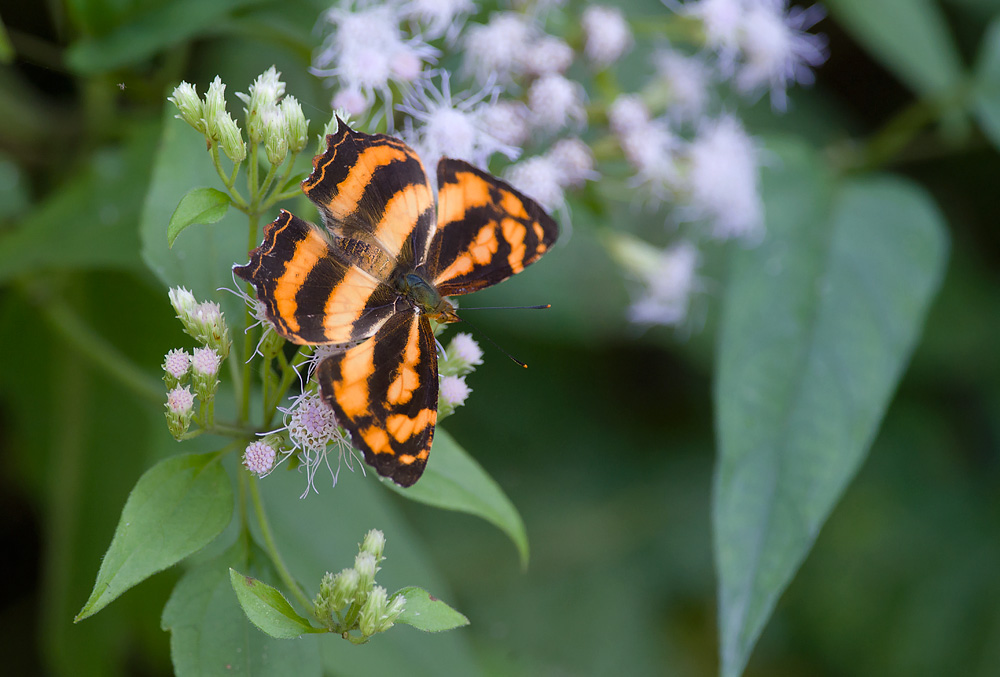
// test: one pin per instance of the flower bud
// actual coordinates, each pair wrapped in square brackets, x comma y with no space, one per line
[297,127]
[366,566]
[452,394]
[183,301]
[462,356]
[176,366]
[264,93]
[231,138]
[185,97]
[204,368]
[345,588]
[215,106]
[374,543]
[372,616]
[271,343]
[259,457]
[180,410]
[275,135]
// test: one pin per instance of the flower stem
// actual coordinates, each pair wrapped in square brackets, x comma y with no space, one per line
[272,549]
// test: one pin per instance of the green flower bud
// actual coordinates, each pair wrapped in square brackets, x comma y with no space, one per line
[231,138]
[297,127]
[275,135]
[366,566]
[374,543]
[373,612]
[332,126]
[185,97]
[264,93]
[215,106]
[345,587]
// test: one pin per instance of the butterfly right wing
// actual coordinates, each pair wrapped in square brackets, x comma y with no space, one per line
[385,392]
[312,292]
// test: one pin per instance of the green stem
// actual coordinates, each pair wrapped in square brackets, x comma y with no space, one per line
[272,549]
[228,182]
[275,197]
[268,178]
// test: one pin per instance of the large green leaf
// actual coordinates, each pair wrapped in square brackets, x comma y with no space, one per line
[176,508]
[817,326]
[89,222]
[909,37]
[453,480]
[427,613]
[986,101]
[199,206]
[209,633]
[268,609]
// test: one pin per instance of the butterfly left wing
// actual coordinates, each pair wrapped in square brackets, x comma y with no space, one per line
[384,391]
[486,230]
[372,188]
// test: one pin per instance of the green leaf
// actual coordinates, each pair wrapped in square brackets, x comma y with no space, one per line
[909,37]
[208,628]
[986,99]
[818,323]
[203,259]
[178,506]
[428,613]
[89,222]
[453,480]
[200,205]
[268,609]
[150,31]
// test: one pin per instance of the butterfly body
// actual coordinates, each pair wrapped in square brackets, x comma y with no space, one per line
[369,283]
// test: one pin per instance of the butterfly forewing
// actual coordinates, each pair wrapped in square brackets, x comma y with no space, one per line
[486,230]
[308,292]
[373,189]
[384,392]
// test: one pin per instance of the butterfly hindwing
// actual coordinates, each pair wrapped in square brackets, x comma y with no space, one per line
[373,188]
[310,293]
[384,391]
[486,230]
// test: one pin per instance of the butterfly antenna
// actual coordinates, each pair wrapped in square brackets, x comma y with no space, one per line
[495,344]
[542,307]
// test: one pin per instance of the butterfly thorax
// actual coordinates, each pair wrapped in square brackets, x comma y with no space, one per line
[424,296]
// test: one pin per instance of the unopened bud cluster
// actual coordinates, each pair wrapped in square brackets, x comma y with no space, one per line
[199,369]
[460,359]
[271,118]
[351,601]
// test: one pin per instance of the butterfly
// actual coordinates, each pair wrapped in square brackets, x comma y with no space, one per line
[371,281]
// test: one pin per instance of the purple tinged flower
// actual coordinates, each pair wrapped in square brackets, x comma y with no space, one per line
[556,102]
[546,54]
[722,21]
[205,361]
[180,400]
[607,34]
[312,428]
[176,364]
[259,457]
[507,121]
[653,150]
[466,349]
[454,390]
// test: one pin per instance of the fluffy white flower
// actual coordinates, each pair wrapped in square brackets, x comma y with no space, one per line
[607,34]
[439,17]
[454,390]
[722,21]
[573,162]
[668,285]
[547,54]
[507,121]
[493,50]
[723,180]
[653,150]
[448,126]
[538,178]
[777,50]
[556,102]
[687,79]
[627,114]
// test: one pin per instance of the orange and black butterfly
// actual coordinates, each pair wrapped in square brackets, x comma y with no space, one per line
[384,264]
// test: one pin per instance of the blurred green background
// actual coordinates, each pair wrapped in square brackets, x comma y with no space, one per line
[605,444]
